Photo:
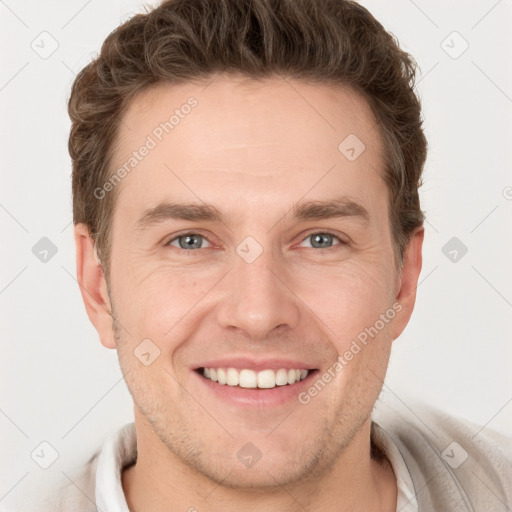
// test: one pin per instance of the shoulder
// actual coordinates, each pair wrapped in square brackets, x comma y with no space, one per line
[70,490]
[75,489]
[439,429]
[451,460]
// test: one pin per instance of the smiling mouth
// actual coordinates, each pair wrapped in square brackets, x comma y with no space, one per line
[250,379]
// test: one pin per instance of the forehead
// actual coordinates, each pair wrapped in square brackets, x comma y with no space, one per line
[231,109]
[273,140]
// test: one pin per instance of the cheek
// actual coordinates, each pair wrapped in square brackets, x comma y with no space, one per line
[156,302]
[346,298]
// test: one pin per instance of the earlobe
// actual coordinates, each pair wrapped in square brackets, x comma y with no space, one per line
[93,286]
[408,280]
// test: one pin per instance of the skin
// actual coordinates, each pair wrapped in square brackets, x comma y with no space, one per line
[252,150]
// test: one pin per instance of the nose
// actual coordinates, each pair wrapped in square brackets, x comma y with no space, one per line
[258,299]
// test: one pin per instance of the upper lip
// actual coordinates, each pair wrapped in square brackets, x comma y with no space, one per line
[249,363]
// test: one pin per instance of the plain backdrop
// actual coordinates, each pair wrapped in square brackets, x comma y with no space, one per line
[62,387]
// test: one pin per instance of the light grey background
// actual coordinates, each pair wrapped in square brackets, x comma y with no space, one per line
[61,386]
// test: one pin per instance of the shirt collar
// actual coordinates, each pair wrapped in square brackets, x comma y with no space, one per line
[118,452]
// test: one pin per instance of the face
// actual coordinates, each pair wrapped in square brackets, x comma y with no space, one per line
[247,241]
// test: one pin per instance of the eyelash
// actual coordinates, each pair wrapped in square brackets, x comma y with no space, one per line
[315,249]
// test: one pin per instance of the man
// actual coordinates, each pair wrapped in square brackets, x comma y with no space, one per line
[249,236]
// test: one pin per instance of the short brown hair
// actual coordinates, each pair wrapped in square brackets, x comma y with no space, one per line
[318,41]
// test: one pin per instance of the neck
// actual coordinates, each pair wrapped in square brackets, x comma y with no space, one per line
[159,481]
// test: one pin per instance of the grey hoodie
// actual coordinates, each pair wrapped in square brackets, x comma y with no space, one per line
[455,465]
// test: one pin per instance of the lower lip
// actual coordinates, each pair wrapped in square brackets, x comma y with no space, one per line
[254,397]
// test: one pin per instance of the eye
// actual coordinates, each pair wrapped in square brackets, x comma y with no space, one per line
[323,240]
[188,241]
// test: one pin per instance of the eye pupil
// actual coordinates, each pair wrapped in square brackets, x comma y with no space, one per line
[190,241]
[322,239]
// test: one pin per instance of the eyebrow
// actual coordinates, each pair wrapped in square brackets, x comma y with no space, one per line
[179,211]
[343,207]
[310,210]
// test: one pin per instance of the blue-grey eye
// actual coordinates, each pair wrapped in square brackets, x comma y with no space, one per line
[189,241]
[322,240]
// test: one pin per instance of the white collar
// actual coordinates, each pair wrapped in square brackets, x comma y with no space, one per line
[406,497]
[118,451]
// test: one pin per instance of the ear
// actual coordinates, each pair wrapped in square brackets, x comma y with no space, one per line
[407,281]
[93,285]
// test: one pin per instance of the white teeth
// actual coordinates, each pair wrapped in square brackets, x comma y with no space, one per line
[247,379]
[221,376]
[282,377]
[232,377]
[264,379]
